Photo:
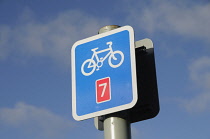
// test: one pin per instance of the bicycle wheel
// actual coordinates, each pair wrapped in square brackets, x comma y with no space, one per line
[88,67]
[116,59]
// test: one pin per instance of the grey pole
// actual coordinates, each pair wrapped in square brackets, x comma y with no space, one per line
[116,126]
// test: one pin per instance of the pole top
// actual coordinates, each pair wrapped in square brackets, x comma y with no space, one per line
[107,28]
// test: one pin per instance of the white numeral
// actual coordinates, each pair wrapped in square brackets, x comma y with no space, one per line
[104,88]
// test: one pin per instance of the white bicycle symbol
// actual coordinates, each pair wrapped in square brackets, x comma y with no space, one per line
[90,63]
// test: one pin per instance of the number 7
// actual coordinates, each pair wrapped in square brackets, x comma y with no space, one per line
[104,88]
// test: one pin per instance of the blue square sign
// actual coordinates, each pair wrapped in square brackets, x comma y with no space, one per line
[103,74]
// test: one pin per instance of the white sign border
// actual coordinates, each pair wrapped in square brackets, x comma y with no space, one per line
[133,70]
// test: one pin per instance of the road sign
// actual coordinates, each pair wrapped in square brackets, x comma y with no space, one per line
[104,74]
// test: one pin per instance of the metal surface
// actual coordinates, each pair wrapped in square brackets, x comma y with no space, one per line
[98,121]
[116,128]
[107,28]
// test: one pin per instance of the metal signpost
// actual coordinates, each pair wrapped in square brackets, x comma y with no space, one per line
[116,126]
[114,81]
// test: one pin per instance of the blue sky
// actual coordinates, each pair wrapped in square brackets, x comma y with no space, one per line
[35,79]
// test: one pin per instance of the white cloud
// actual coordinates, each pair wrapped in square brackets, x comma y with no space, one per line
[4,39]
[183,18]
[51,38]
[199,103]
[35,122]
[200,71]
[136,134]
[200,75]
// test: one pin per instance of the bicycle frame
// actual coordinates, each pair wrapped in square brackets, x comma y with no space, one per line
[95,54]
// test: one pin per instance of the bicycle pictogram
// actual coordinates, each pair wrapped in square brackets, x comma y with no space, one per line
[95,63]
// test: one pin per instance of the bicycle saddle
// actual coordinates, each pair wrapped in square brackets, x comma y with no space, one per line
[94,49]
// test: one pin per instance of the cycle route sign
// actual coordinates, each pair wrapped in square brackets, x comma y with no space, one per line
[103,74]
